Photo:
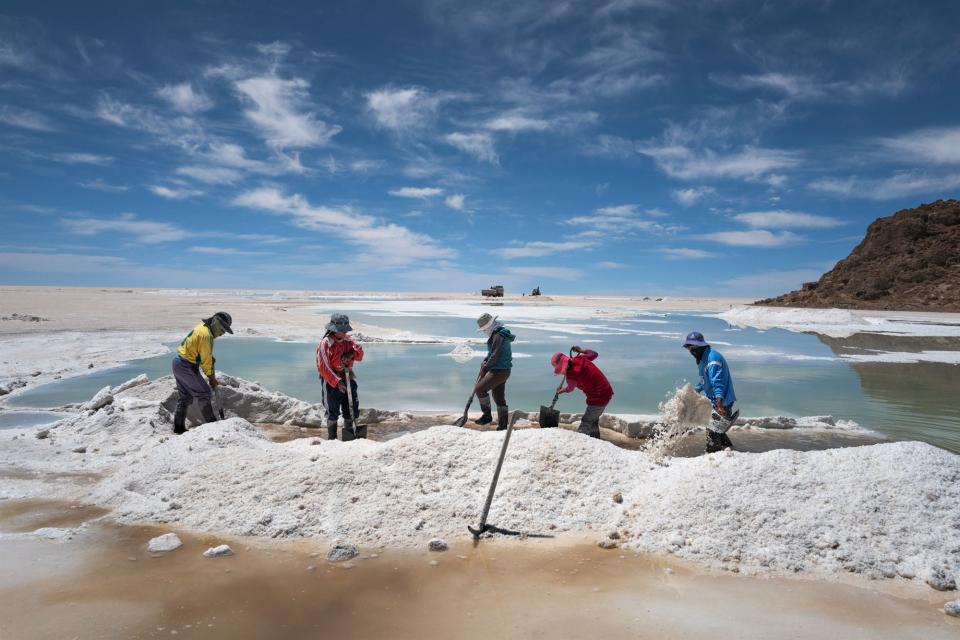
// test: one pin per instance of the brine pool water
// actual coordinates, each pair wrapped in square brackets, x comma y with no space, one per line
[776,372]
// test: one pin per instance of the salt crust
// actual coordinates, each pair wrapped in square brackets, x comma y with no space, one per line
[838,323]
[879,510]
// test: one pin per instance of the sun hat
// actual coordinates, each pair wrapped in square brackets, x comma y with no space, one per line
[695,339]
[484,321]
[223,319]
[340,323]
[559,362]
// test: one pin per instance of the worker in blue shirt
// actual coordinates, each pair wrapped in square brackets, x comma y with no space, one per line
[717,385]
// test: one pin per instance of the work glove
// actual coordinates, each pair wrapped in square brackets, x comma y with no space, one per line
[718,406]
[576,349]
[341,387]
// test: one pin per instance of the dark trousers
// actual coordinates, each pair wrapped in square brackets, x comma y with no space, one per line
[495,381]
[336,401]
[190,384]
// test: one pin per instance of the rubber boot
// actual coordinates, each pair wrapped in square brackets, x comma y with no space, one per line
[180,417]
[727,444]
[486,417]
[206,410]
[503,415]
[714,442]
[591,429]
[331,429]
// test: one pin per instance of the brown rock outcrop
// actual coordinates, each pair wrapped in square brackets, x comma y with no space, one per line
[907,261]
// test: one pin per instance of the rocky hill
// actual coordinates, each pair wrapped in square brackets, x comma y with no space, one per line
[907,261]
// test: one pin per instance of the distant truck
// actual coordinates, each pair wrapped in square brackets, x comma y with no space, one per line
[496,291]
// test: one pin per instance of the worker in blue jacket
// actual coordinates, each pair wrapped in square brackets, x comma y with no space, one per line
[717,385]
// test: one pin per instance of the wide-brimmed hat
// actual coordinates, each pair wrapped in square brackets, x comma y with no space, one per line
[484,321]
[695,339]
[223,319]
[559,362]
[340,323]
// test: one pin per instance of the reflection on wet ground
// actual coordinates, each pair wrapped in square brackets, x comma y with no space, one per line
[22,516]
[105,584]
[689,445]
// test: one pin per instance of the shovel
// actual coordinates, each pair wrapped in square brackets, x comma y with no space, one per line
[550,417]
[483,527]
[463,419]
[216,394]
[359,430]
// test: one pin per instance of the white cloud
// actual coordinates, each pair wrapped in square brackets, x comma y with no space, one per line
[682,253]
[516,122]
[786,220]
[455,201]
[692,195]
[144,231]
[898,185]
[59,263]
[226,251]
[83,158]
[279,110]
[558,273]
[386,244]
[929,146]
[618,221]
[755,238]
[173,193]
[538,249]
[606,264]
[809,88]
[26,119]
[100,185]
[686,163]
[182,97]
[403,110]
[478,145]
[416,192]
[180,131]
[211,175]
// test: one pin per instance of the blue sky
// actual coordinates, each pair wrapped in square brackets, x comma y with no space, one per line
[627,146]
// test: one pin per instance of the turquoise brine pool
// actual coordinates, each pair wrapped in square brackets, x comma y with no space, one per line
[775,372]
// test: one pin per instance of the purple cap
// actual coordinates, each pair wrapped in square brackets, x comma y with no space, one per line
[695,339]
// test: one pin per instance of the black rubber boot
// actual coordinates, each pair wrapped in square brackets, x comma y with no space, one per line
[331,429]
[726,442]
[714,442]
[180,417]
[486,417]
[503,415]
[206,410]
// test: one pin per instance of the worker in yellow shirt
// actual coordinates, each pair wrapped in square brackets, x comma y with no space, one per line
[195,354]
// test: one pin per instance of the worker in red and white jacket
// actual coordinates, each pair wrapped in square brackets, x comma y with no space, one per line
[335,353]
[580,373]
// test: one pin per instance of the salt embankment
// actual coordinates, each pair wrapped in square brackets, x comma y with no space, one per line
[842,323]
[882,510]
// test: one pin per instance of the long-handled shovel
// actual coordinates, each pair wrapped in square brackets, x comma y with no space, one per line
[216,394]
[483,526]
[359,430]
[550,417]
[463,419]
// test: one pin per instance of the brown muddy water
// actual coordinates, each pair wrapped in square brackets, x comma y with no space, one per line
[103,583]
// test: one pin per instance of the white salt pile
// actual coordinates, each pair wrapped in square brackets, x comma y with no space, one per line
[164,543]
[882,510]
[219,551]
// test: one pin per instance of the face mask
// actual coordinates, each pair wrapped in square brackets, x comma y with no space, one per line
[697,353]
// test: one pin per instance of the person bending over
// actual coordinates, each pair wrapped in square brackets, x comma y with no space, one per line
[580,373]
[195,354]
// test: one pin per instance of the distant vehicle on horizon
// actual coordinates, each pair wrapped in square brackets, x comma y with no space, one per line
[495,291]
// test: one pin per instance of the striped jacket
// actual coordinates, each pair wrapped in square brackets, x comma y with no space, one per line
[330,356]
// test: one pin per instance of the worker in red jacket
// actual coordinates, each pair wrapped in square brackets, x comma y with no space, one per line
[335,354]
[580,373]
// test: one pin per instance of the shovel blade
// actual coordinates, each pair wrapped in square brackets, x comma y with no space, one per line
[348,433]
[549,418]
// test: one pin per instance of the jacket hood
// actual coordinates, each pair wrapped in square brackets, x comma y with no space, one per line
[506,334]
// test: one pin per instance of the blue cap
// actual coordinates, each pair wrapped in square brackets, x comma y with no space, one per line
[695,339]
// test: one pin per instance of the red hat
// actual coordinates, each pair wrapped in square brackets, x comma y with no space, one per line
[559,362]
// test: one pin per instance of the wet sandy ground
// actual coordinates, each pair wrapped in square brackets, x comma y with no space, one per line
[104,584]
[752,440]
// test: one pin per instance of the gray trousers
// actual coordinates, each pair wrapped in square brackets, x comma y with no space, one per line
[590,422]
[190,384]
